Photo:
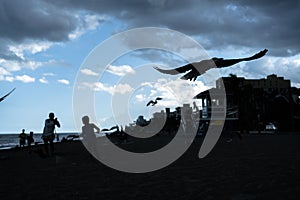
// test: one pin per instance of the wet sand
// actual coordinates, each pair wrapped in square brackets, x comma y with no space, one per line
[257,167]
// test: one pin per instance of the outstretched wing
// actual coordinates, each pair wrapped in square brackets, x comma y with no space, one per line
[158,98]
[150,102]
[175,71]
[229,62]
[2,98]
[258,55]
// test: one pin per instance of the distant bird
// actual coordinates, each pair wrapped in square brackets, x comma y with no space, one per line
[197,68]
[154,102]
[2,98]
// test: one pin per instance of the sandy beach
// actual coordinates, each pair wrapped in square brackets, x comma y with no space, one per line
[257,167]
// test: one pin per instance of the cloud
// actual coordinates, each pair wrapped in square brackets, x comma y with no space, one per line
[44,80]
[115,89]
[49,74]
[63,81]
[42,25]
[4,71]
[25,79]
[140,97]
[174,92]
[88,72]
[121,70]
[17,65]
[32,47]
[252,24]
[86,23]
[222,27]
[9,78]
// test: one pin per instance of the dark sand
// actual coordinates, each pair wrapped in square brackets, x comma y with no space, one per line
[257,167]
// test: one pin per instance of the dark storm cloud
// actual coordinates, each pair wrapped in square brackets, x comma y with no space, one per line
[252,24]
[34,20]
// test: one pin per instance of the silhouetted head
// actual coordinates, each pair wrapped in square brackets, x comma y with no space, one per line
[85,120]
[51,115]
[31,133]
[23,130]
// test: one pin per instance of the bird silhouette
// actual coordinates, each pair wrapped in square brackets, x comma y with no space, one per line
[2,98]
[197,68]
[152,103]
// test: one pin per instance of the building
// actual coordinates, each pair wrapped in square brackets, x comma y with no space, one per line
[255,102]
[272,83]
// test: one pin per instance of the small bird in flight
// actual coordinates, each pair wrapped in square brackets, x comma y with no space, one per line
[2,98]
[197,68]
[154,102]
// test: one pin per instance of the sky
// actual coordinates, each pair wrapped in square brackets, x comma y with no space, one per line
[44,44]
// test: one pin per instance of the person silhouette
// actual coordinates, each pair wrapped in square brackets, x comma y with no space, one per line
[48,133]
[195,69]
[30,140]
[88,134]
[23,138]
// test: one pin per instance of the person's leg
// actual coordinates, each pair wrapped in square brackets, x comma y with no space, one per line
[29,147]
[51,147]
[46,151]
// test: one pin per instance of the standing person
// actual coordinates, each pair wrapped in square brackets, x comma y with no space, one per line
[88,134]
[48,133]
[22,137]
[30,140]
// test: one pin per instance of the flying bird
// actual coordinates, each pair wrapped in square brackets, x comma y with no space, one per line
[154,102]
[2,98]
[197,68]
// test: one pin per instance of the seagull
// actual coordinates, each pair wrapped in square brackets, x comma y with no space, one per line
[197,68]
[154,102]
[2,98]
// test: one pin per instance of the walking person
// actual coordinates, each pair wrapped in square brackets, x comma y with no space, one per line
[48,133]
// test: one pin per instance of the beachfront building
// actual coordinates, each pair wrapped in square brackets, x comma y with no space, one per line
[254,102]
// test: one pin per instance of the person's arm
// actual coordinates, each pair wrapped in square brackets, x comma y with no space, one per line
[57,122]
[97,128]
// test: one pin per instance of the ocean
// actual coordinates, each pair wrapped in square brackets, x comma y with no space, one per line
[8,141]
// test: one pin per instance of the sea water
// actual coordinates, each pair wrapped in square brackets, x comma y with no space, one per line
[8,141]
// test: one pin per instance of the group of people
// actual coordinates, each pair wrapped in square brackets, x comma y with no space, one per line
[23,138]
[48,135]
